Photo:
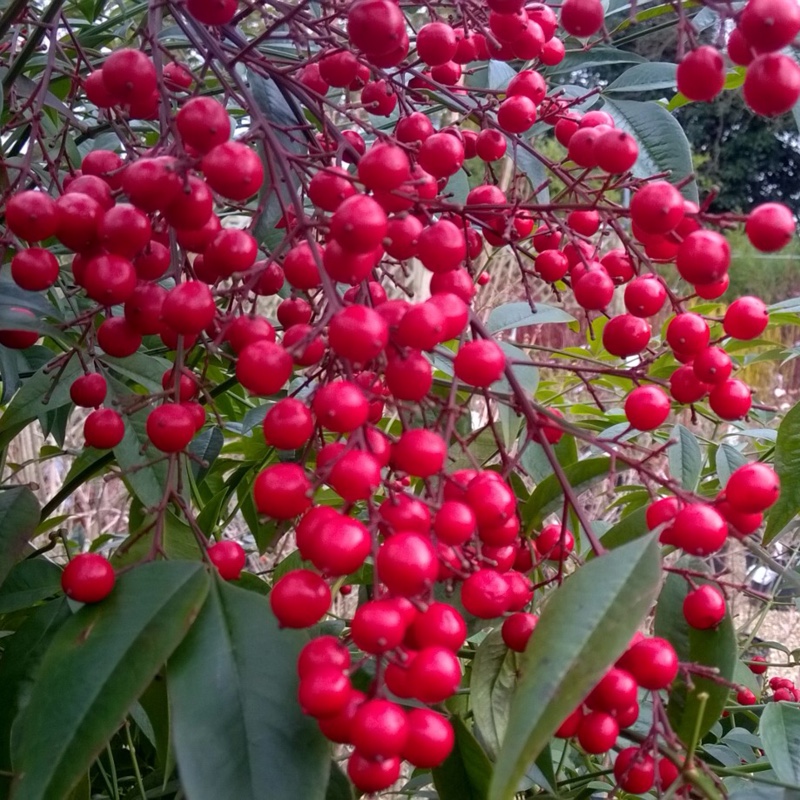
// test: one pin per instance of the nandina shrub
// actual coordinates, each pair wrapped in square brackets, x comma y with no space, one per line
[276,287]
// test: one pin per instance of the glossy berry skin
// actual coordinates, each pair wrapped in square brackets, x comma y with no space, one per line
[647,407]
[704,607]
[439,624]
[772,84]
[769,24]
[370,775]
[170,428]
[89,391]
[757,665]
[32,215]
[652,662]
[340,406]
[379,729]
[288,425]
[657,207]
[753,488]
[712,365]
[701,74]
[485,594]
[554,543]
[300,599]
[699,529]
[434,674]
[323,651]
[645,296]
[229,558]
[730,399]
[282,491]
[597,732]
[233,170]
[189,308]
[378,626]
[407,564]
[263,367]
[517,629]
[626,335]
[103,429]
[634,770]
[88,578]
[582,18]
[325,692]
[430,738]
[479,363]
[688,333]
[745,318]
[770,227]
[34,269]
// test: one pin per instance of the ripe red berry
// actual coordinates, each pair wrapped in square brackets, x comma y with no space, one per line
[378,626]
[300,599]
[407,564]
[701,74]
[594,289]
[325,692]
[430,738]
[657,207]
[647,407]
[517,113]
[635,770]
[170,427]
[440,624]
[704,607]
[554,542]
[770,227]
[370,775]
[597,732]
[379,729]
[233,170]
[582,18]
[753,488]
[229,558]
[688,333]
[517,630]
[703,257]
[699,529]
[746,318]
[288,425]
[434,674]
[479,363]
[263,367]
[340,406]
[189,308]
[282,491]
[769,24]
[730,399]
[129,75]
[203,123]
[88,578]
[772,84]
[626,335]
[88,391]
[419,452]
[103,429]
[359,224]
[652,662]
[757,665]
[712,365]
[485,594]
[34,269]
[616,691]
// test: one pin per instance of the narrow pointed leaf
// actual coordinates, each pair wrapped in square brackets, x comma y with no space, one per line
[787,465]
[780,733]
[466,773]
[111,651]
[237,727]
[519,315]
[685,457]
[584,628]
[712,648]
[19,516]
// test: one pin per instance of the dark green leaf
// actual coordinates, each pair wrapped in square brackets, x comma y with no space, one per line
[19,516]
[787,465]
[594,57]
[207,447]
[780,733]
[583,629]
[500,74]
[645,78]
[685,457]
[21,656]
[492,684]
[663,146]
[339,788]
[548,495]
[29,582]
[630,527]
[727,460]
[528,376]
[9,373]
[237,669]
[112,651]
[712,648]
[467,772]
[36,397]
[519,315]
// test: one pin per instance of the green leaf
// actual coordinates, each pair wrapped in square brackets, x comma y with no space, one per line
[22,653]
[685,457]
[339,787]
[30,581]
[528,376]
[500,74]
[712,648]
[630,527]
[585,626]
[19,516]
[548,495]
[207,447]
[645,78]
[36,397]
[237,669]
[787,466]
[727,460]
[111,651]
[457,187]
[663,146]
[467,771]
[780,734]
[519,315]
[594,57]
[492,683]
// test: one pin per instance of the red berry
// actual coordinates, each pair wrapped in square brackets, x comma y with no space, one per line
[233,170]
[434,674]
[517,630]
[88,578]
[554,542]
[479,363]
[657,207]
[378,626]
[704,607]
[88,391]
[340,406]
[730,399]
[170,427]
[379,729]
[701,74]
[129,75]
[264,367]
[485,594]
[746,318]
[407,564]
[203,123]
[300,599]
[652,662]
[699,529]
[229,558]
[103,429]
[370,775]
[712,365]
[582,18]
[32,216]
[753,488]
[688,333]
[635,770]
[597,732]
[769,24]
[288,425]
[770,227]
[772,84]
[419,452]
[647,407]
[430,738]
[325,692]
[282,491]
[626,335]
